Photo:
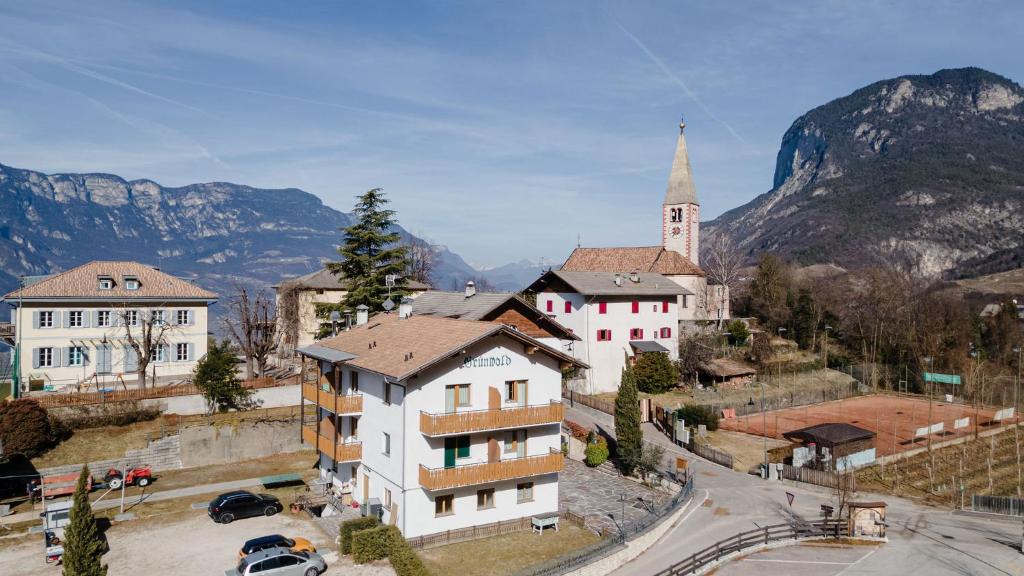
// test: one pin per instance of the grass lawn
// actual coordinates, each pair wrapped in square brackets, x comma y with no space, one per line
[506,554]
[747,450]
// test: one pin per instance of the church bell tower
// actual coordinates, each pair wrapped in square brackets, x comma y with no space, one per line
[680,211]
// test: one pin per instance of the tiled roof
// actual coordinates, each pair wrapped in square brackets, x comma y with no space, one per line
[603,284]
[83,282]
[399,348]
[324,279]
[625,260]
[726,368]
[830,433]
[482,306]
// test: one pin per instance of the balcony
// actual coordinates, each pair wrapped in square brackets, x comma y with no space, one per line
[345,452]
[496,419]
[352,404]
[471,474]
[7,333]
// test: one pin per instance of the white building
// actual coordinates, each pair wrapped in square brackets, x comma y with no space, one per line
[677,258]
[445,423]
[617,316]
[73,326]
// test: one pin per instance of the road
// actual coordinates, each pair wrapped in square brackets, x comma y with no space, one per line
[922,540]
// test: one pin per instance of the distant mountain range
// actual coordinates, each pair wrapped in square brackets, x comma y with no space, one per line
[926,171]
[219,234]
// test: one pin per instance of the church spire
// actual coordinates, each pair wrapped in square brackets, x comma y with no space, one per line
[680,181]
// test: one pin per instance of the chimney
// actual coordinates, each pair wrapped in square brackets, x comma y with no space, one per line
[405,308]
[362,314]
[470,289]
[634,276]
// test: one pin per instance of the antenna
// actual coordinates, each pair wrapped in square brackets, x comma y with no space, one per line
[577,239]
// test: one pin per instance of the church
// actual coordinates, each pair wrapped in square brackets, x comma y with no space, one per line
[678,256]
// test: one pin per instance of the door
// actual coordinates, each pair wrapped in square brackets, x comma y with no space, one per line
[493,452]
[449,452]
[521,392]
[449,399]
[366,488]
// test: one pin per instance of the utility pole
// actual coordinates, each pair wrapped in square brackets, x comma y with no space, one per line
[931,388]
[825,347]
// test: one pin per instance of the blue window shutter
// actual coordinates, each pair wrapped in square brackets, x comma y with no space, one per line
[65,318]
[191,317]
[66,356]
[86,319]
[191,351]
[35,320]
[85,355]
[131,360]
[55,357]
[35,355]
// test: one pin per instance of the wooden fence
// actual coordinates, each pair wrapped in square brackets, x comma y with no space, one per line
[58,400]
[709,453]
[485,531]
[819,477]
[594,402]
[997,505]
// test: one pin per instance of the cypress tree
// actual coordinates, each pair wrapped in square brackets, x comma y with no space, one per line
[628,436]
[370,252]
[84,546]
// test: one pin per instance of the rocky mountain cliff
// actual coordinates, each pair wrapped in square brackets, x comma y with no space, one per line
[924,170]
[220,234]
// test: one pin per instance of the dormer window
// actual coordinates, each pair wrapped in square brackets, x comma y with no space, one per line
[106,283]
[131,283]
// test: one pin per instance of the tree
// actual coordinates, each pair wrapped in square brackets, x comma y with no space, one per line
[650,459]
[27,428]
[761,348]
[804,323]
[655,372]
[694,350]
[739,331]
[146,333]
[769,290]
[419,261]
[252,323]
[370,253]
[217,379]
[84,546]
[628,436]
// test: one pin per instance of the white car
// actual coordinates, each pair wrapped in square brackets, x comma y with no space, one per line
[279,562]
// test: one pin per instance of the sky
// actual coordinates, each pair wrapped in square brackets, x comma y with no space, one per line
[504,130]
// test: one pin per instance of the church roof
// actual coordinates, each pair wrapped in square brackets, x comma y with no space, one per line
[625,260]
[680,180]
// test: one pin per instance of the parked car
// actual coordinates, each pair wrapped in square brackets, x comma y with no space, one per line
[242,504]
[275,541]
[279,562]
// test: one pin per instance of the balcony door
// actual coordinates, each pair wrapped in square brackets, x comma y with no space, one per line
[515,392]
[455,447]
[455,396]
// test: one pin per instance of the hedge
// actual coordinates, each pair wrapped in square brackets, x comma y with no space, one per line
[372,544]
[596,452]
[404,559]
[354,525]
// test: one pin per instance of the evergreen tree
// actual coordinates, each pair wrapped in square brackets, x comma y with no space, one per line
[628,435]
[803,319]
[370,252]
[217,379]
[84,546]
[654,373]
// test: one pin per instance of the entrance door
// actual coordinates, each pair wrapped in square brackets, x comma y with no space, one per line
[366,488]
[449,452]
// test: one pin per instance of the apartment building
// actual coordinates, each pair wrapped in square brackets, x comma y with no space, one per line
[618,317]
[445,423]
[73,326]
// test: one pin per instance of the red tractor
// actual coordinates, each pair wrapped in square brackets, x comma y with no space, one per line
[137,476]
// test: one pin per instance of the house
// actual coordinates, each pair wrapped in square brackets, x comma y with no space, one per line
[74,326]
[677,258]
[296,300]
[508,309]
[725,373]
[838,446]
[617,316]
[444,423]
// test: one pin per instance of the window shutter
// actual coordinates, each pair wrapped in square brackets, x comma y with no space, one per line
[35,354]
[86,317]
[66,355]
[66,315]
[664,306]
[568,307]
[94,318]
[191,351]
[131,360]
[85,355]
[602,307]
[35,320]
[551,306]
[55,357]
[191,317]
[636,306]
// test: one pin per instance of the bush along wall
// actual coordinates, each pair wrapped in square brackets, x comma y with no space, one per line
[354,525]
[372,544]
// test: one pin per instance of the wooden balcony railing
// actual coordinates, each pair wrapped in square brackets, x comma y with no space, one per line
[346,452]
[477,420]
[471,474]
[352,404]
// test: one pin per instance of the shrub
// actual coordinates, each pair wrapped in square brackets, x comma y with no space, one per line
[27,428]
[404,559]
[372,543]
[694,415]
[216,377]
[739,332]
[655,372]
[110,414]
[354,525]
[577,431]
[596,452]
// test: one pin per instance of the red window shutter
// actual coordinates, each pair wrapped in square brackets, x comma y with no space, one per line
[551,305]
[640,336]
[636,306]
[568,307]
[664,307]
[602,307]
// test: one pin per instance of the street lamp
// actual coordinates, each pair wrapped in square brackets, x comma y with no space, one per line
[1016,387]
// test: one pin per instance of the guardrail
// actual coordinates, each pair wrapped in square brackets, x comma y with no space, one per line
[494,419]
[997,505]
[753,538]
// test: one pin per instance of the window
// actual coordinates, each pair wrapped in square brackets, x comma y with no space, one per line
[387,498]
[385,447]
[604,335]
[75,319]
[666,332]
[524,492]
[462,447]
[131,283]
[602,307]
[551,306]
[636,306]
[515,443]
[45,359]
[106,283]
[485,499]
[387,392]
[181,352]
[444,505]
[158,317]
[568,307]
[76,356]
[456,395]
[103,318]
[353,381]
[46,319]
[664,306]
[686,303]
[159,354]
[287,560]
[515,392]
[131,317]
[636,333]
[182,319]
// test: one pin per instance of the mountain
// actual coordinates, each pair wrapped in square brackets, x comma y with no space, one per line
[927,171]
[218,234]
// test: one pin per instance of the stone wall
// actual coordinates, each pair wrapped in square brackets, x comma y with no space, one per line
[162,454]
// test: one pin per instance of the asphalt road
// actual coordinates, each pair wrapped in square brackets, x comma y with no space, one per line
[922,540]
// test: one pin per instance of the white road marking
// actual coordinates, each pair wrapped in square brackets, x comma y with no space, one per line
[798,561]
[859,560]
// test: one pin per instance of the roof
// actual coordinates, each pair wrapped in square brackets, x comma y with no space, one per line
[325,353]
[680,181]
[400,347]
[877,504]
[625,260]
[831,433]
[647,346]
[483,306]
[324,279]
[83,282]
[603,284]
[726,368]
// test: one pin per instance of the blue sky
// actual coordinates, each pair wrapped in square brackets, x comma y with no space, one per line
[501,129]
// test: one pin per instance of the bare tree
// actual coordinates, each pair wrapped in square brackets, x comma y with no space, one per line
[722,261]
[419,260]
[145,333]
[252,323]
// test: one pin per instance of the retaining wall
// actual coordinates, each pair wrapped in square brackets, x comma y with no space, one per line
[276,397]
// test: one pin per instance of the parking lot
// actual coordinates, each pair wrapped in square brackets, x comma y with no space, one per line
[186,543]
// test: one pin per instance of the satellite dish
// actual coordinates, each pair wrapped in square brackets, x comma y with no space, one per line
[388,305]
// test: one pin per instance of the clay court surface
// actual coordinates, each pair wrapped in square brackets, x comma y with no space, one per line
[894,419]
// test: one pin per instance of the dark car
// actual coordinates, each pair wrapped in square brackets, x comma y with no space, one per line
[275,541]
[242,504]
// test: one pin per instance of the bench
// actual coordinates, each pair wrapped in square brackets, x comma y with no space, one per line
[281,480]
[544,521]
